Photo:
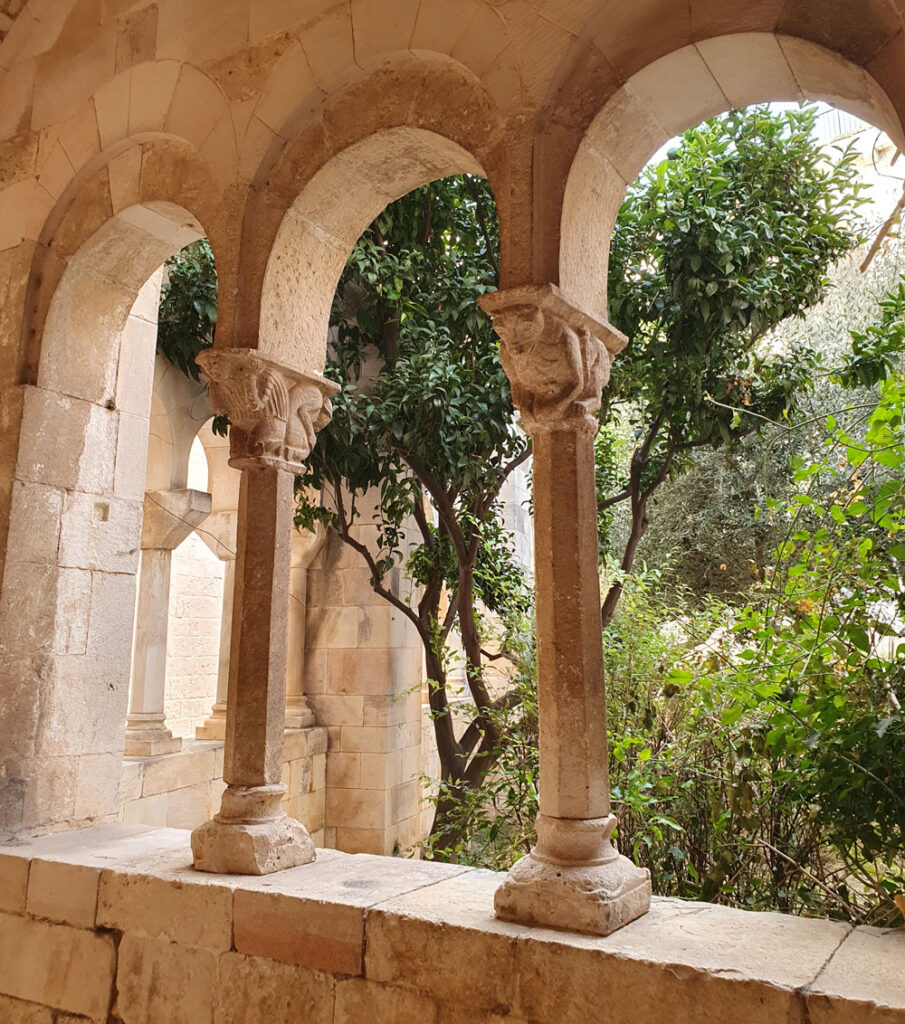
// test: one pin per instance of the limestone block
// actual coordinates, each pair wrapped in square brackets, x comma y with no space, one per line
[331,627]
[677,109]
[359,1000]
[329,47]
[377,30]
[152,89]
[381,771]
[295,744]
[366,739]
[34,530]
[160,982]
[288,84]
[130,779]
[205,32]
[344,770]
[111,104]
[704,962]
[56,965]
[136,37]
[317,744]
[162,908]
[135,372]
[15,202]
[357,808]
[100,533]
[65,893]
[190,806]
[337,710]
[251,989]
[86,463]
[15,1011]
[750,67]
[79,135]
[149,810]
[864,981]
[174,771]
[443,941]
[389,710]
[375,841]
[316,920]
[18,87]
[97,784]
[13,881]
[317,935]
[355,671]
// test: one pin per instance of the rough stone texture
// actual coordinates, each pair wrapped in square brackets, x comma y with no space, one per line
[373,940]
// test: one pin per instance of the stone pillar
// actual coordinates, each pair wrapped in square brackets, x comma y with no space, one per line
[169,517]
[214,727]
[304,546]
[274,412]
[557,359]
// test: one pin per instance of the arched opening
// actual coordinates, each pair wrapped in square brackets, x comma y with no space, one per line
[673,94]
[76,521]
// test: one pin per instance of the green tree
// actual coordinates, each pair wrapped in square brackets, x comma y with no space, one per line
[187,316]
[713,247]
[424,417]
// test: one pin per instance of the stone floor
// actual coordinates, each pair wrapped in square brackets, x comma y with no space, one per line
[112,924]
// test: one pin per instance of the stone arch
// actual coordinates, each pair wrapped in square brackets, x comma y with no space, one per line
[76,520]
[411,122]
[159,132]
[716,74]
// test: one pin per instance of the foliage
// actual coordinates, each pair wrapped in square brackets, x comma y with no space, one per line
[757,757]
[704,521]
[187,318]
[424,420]
[187,315]
[713,247]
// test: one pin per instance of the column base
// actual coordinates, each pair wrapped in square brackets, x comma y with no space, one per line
[574,880]
[150,742]
[214,727]
[299,714]
[251,835]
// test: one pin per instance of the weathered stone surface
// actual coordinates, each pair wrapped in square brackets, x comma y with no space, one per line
[317,918]
[55,965]
[863,982]
[13,881]
[151,907]
[63,892]
[702,962]
[159,982]
[443,940]
[251,989]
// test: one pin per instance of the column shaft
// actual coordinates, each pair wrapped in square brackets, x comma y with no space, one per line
[558,359]
[572,723]
[257,661]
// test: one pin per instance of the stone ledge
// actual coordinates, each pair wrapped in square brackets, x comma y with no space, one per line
[411,934]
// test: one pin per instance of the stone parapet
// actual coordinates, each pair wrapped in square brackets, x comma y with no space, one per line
[358,939]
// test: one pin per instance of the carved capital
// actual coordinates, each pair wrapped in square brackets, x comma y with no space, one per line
[557,357]
[274,412]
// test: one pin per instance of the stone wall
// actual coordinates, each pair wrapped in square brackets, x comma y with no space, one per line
[193,635]
[362,677]
[112,924]
[183,790]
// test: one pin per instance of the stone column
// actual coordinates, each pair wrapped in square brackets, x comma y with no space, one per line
[304,546]
[274,412]
[214,727]
[169,517]
[558,359]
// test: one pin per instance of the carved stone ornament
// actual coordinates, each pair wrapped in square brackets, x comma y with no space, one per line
[557,357]
[274,412]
